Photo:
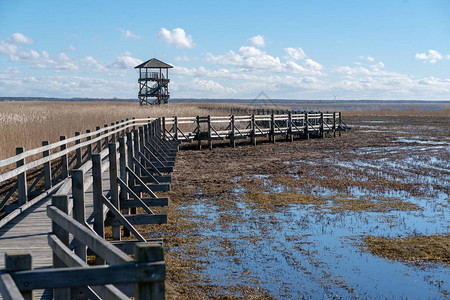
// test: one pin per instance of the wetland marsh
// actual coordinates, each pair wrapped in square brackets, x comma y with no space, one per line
[317,218]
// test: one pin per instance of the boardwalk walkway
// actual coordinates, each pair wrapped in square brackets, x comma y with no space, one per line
[28,231]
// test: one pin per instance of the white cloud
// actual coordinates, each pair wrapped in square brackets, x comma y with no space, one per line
[257,41]
[295,53]
[72,48]
[370,58]
[93,65]
[432,57]
[177,37]
[19,38]
[182,58]
[127,34]
[125,61]
[313,65]
[210,86]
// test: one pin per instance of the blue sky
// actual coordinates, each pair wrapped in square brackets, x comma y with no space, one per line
[397,49]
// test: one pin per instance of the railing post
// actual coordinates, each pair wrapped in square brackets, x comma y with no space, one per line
[272,128]
[106,139]
[97,193]
[78,152]
[15,262]
[61,202]
[64,160]
[89,147]
[175,127]
[334,124]
[306,126]
[340,123]
[232,125]
[210,143]
[253,128]
[149,252]
[99,142]
[78,209]
[130,155]
[114,185]
[47,168]
[136,145]
[321,125]
[163,128]
[291,136]
[123,177]
[199,134]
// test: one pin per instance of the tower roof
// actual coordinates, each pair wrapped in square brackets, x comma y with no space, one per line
[153,64]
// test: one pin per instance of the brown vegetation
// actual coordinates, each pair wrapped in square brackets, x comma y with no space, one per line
[418,249]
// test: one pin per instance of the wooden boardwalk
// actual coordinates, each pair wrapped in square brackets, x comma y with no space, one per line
[131,160]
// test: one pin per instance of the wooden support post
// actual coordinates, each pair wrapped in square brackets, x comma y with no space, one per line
[130,155]
[210,143]
[146,137]
[99,142]
[289,133]
[134,122]
[61,202]
[149,252]
[199,134]
[334,124]
[78,156]
[232,125]
[253,128]
[163,131]
[114,185]
[15,262]
[64,160]
[306,126]
[89,147]
[97,193]
[136,145]
[106,139]
[123,176]
[321,125]
[272,128]
[47,168]
[175,127]
[131,164]
[340,124]
[78,210]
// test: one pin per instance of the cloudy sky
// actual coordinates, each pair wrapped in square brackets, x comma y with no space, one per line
[304,49]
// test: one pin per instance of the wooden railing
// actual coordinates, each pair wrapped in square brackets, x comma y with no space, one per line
[236,127]
[134,169]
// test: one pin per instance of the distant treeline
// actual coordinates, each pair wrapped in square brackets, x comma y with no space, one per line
[237,101]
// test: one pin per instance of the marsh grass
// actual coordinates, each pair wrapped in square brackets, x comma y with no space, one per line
[27,124]
[417,249]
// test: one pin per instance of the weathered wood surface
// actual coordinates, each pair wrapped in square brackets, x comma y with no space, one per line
[28,231]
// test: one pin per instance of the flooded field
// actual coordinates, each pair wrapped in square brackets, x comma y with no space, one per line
[318,218]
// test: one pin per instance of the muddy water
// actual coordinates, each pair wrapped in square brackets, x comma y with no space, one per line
[299,250]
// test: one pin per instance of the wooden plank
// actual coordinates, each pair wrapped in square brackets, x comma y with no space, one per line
[122,220]
[96,275]
[15,262]
[86,236]
[155,289]
[72,260]
[8,288]
[139,219]
[148,201]
[136,197]
[143,188]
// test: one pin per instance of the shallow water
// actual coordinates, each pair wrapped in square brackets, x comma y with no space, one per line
[299,251]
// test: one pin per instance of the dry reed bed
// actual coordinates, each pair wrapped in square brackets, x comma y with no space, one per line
[27,124]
